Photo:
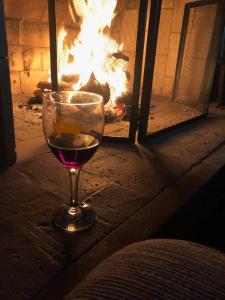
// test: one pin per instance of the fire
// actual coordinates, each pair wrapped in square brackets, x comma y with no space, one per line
[92,51]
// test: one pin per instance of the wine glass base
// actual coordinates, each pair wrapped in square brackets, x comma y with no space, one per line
[74,219]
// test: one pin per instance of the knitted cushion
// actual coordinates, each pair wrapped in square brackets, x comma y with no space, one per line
[157,269]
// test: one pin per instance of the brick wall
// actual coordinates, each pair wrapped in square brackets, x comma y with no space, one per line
[124,29]
[167,46]
[195,57]
[28,38]
[28,43]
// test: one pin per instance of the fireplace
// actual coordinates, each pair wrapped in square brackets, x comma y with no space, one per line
[156,71]
[119,40]
[106,49]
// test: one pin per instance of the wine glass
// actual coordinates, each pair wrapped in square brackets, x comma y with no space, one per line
[73,123]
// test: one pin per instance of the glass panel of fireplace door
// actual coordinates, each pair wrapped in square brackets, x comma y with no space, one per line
[29,61]
[165,110]
[191,89]
[104,64]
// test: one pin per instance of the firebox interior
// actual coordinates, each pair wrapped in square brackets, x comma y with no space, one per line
[182,75]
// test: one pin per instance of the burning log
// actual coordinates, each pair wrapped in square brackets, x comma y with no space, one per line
[63,86]
[116,113]
[120,55]
[46,86]
[120,110]
[70,78]
[93,86]
[125,99]
[112,66]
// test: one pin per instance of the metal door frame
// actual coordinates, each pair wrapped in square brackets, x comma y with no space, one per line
[7,135]
[143,135]
[213,45]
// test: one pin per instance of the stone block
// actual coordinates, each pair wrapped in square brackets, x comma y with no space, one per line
[63,14]
[132,4]
[45,59]
[32,59]
[71,34]
[173,52]
[15,83]
[168,86]
[178,14]
[116,27]
[44,17]
[24,148]
[55,178]
[190,86]
[29,80]
[174,44]
[12,31]
[190,20]
[167,3]
[130,69]
[33,34]
[25,58]
[15,58]
[171,65]
[159,73]
[202,30]
[129,30]
[121,6]
[115,35]
[164,31]
[25,9]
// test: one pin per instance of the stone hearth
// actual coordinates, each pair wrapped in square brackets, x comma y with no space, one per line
[134,190]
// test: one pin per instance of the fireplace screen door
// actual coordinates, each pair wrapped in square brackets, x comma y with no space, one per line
[100,52]
[155,72]
[195,68]
[177,83]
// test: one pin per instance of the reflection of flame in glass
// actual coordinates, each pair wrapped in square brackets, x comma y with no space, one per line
[92,51]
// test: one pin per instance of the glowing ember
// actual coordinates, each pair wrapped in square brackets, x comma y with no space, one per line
[92,53]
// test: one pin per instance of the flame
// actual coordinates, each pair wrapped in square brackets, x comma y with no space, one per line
[92,50]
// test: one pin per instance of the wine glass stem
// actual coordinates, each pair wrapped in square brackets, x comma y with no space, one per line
[74,178]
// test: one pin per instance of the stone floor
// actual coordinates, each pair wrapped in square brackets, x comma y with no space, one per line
[165,113]
[28,127]
[28,123]
[134,189]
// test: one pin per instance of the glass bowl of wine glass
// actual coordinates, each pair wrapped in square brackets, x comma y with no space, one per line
[73,124]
